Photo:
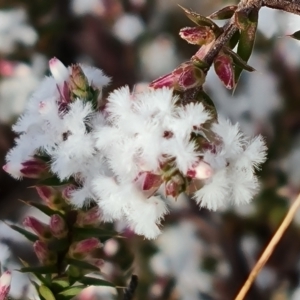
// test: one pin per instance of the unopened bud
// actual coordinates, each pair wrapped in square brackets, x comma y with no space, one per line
[41,229]
[5,281]
[200,171]
[44,255]
[59,71]
[58,226]
[186,76]
[33,168]
[67,192]
[83,248]
[78,83]
[51,197]
[175,186]
[199,35]
[88,218]
[224,69]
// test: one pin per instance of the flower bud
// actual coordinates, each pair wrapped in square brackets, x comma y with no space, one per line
[83,248]
[200,171]
[58,226]
[67,192]
[59,72]
[224,69]
[33,168]
[186,76]
[175,186]
[199,35]
[39,228]
[51,197]
[5,281]
[44,255]
[78,83]
[89,218]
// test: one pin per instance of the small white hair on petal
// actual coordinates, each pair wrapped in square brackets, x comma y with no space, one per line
[95,76]
[215,192]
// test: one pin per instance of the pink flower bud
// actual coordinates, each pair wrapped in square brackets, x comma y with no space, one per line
[39,228]
[199,35]
[58,226]
[59,72]
[5,281]
[186,76]
[175,186]
[83,248]
[88,218]
[44,255]
[200,171]
[51,197]
[67,192]
[33,168]
[148,182]
[224,69]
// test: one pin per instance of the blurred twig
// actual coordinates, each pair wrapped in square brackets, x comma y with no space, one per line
[269,249]
[129,292]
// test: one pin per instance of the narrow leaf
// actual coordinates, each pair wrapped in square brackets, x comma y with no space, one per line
[234,40]
[82,264]
[238,60]
[201,20]
[30,236]
[60,284]
[95,281]
[224,13]
[94,232]
[39,270]
[46,293]
[72,291]
[41,207]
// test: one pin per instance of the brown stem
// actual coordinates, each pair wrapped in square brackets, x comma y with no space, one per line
[291,6]
[269,249]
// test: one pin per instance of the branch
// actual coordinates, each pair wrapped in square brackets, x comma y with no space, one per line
[129,292]
[291,6]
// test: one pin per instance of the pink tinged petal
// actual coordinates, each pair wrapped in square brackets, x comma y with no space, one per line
[168,80]
[58,70]
[224,69]
[33,168]
[46,193]
[201,171]
[39,228]
[7,68]
[58,226]
[175,186]
[44,255]
[67,192]
[5,281]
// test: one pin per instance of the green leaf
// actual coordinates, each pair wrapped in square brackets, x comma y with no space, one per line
[39,270]
[46,293]
[102,234]
[82,264]
[53,181]
[59,284]
[71,292]
[224,13]
[238,60]
[41,207]
[201,20]
[30,236]
[295,35]
[234,40]
[246,42]
[95,281]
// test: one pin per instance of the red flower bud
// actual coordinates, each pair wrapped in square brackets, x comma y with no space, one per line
[224,69]
[199,35]
[44,255]
[83,248]
[89,218]
[58,226]
[39,228]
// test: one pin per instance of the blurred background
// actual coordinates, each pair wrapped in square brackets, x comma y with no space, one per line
[201,254]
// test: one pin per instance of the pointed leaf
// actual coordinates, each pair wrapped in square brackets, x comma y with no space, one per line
[224,13]
[241,20]
[97,232]
[295,35]
[82,264]
[72,291]
[30,236]
[39,270]
[41,207]
[95,281]
[40,277]
[46,293]
[238,60]
[53,181]
[246,42]
[234,40]
[60,284]
[201,20]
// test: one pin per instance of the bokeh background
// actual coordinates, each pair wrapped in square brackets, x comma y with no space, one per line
[200,254]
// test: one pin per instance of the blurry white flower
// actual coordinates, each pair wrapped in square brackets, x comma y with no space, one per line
[80,7]
[128,27]
[14,30]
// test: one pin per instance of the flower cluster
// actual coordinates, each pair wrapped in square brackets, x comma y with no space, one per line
[126,152]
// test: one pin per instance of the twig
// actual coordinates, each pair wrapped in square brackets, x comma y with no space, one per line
[129,292]
[269,249]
